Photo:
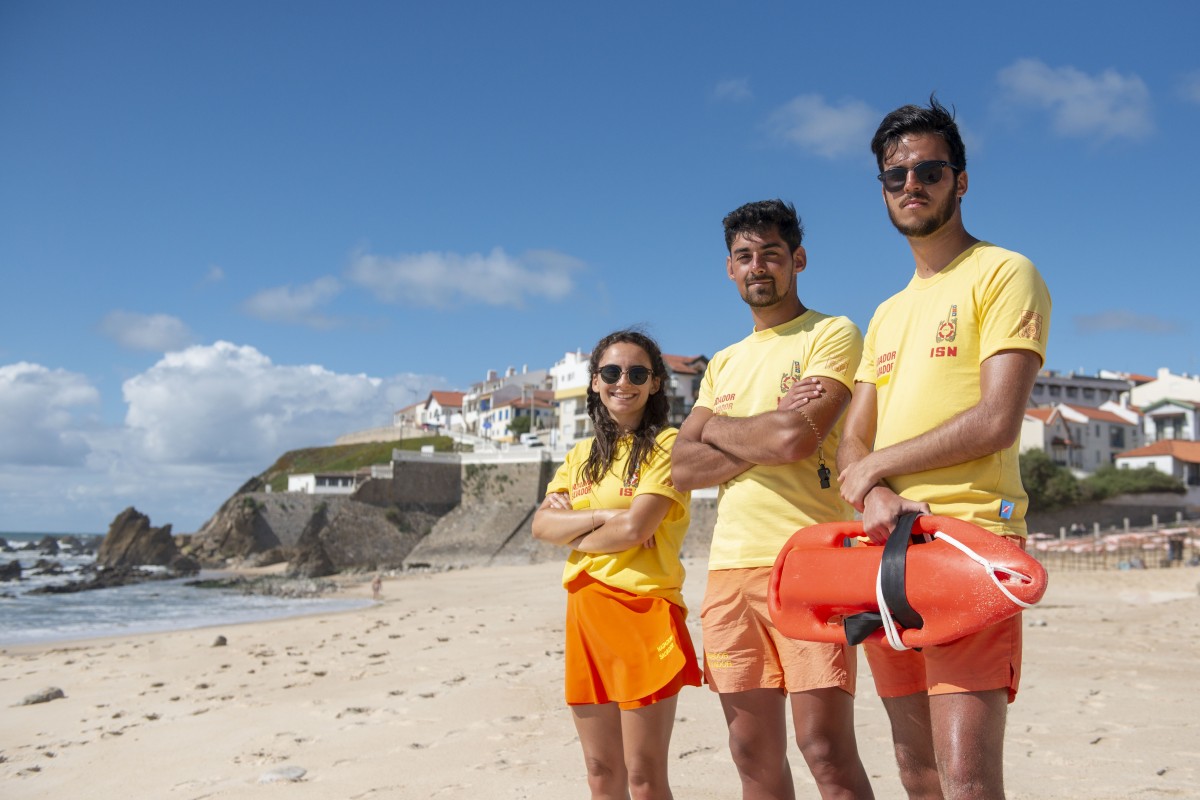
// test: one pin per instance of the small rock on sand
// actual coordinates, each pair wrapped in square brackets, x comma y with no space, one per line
[44,696]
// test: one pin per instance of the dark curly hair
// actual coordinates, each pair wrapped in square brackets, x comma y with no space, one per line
[654,417]
[760,217]
[906,120]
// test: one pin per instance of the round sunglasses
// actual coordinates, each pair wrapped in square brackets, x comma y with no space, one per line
[611,373]
[927,172]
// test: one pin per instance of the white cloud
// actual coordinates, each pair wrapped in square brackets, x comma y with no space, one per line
[40,423]
[442,280]
[296,305]
[1123,320]
[198,424]
[734,90]
[1104,106]
[223,403]
[214,275]
[156,333]
[818,127]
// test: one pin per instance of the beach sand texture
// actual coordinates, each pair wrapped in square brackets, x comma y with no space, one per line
[451,687]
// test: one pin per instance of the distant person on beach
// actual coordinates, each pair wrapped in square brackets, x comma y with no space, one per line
[377,587]
[947,368]
[612,503]
[765,420]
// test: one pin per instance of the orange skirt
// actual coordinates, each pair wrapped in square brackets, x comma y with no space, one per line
[624,648]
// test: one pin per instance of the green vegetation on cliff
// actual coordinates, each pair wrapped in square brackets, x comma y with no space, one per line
[340,458]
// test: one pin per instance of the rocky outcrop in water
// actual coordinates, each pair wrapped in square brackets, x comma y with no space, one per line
[132,542]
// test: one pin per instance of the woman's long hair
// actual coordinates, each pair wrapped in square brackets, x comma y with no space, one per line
[654,416]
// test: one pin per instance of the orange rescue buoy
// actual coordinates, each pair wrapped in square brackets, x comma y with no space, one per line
[942,579]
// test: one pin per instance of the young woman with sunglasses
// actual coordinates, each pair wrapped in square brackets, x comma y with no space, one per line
[628,652]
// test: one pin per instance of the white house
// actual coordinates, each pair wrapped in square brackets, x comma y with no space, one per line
[569,382]
[538,404]
[1166,386]
[480,400]
[1172,419]
[443,411]
[324,483]
[1172,456]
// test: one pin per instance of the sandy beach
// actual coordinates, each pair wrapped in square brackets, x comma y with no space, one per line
[450,687]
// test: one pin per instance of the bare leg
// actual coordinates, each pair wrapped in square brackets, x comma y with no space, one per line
[968,737]
[912,739]
[599,728]
[646,733]
[824,720]
[757,721]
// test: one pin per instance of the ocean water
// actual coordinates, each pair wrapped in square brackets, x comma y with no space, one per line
[150,607]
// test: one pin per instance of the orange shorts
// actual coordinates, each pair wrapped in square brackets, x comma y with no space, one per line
[989,659]
[743,650]
[626,648]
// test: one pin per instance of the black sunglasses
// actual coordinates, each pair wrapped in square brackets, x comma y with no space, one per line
[612,373]
[927,172]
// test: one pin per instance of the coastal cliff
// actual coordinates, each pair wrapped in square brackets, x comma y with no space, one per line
[447,511]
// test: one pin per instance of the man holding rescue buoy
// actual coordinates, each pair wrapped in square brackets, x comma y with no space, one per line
[947,367]
[764,423]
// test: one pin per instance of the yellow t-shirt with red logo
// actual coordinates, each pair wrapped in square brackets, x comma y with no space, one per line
[654,571]
[758,510]
[923,352]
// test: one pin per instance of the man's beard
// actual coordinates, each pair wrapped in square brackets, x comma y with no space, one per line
[929,225]
[761,299]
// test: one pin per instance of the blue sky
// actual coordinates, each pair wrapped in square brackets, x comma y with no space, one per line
[232,229]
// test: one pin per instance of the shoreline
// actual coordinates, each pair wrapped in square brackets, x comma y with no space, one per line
[451,686]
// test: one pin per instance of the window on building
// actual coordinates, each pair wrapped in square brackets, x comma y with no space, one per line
[1056,391]
[1038,388]
[1072,391]
[1116,436]
[1089,393]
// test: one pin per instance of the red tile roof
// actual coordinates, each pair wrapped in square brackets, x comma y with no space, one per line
[1179,449]
[684,365]
[1100,415]
[448,399]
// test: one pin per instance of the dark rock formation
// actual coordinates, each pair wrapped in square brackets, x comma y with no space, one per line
[47,567]
[105,578]
[81,545]
[311,560]
[48,546]
[239,529]
[184,565]
[10,571]
[131,541]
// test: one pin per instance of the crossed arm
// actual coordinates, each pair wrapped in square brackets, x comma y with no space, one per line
[991,425]
[599,530]
[711,449]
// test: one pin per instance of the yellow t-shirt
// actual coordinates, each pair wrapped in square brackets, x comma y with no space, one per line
[760,509]
[923,352]
[656,570]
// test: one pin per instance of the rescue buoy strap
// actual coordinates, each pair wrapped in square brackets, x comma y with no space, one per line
[890,593]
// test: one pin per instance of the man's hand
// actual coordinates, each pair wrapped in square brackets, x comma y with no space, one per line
[801,393]
[858,479]
[881,510]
